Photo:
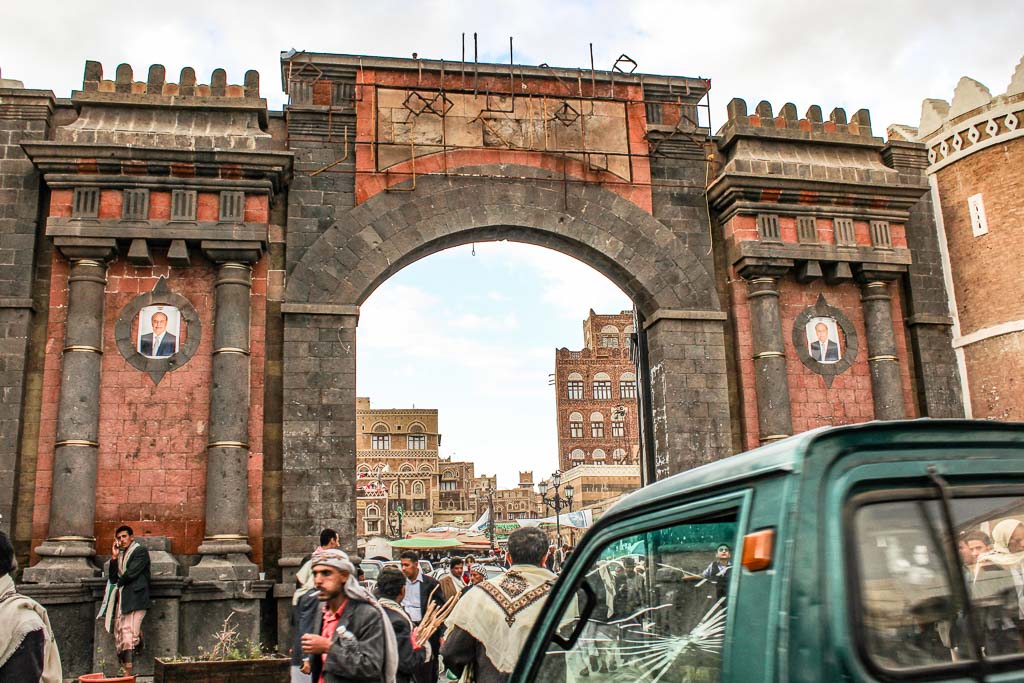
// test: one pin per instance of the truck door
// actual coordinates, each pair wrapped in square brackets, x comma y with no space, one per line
[647,601]
[934,578]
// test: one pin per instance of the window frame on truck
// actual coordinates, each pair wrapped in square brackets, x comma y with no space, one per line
[865,488]
[663,516]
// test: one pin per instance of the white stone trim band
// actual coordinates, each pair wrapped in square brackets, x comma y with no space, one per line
[988,332]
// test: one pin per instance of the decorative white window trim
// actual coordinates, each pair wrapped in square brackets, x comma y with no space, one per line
[976,207]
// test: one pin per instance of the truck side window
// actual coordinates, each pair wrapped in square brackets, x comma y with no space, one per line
[910,614]
[658,603]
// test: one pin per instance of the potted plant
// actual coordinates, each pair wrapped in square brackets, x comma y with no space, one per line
[101,677]
[230,660]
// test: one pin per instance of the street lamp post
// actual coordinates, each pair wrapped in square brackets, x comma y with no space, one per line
[555,501]
[489,494]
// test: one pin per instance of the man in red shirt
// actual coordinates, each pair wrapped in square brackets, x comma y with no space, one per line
[356,641]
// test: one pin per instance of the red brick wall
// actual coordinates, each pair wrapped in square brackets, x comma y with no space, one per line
[986,272]
[813,404]
[152,455]
[369,182]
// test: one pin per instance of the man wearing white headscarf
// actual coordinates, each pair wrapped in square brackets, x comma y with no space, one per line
[356,641]
[28,649]
[1007,552]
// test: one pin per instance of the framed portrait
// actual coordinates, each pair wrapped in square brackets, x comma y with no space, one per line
[823,340]
[159,332]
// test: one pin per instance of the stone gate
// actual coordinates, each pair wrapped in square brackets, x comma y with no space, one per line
[785,273]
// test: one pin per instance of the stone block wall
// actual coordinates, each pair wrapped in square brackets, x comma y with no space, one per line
[24,117]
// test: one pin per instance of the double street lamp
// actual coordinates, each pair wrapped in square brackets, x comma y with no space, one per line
[489,495]
[555,501]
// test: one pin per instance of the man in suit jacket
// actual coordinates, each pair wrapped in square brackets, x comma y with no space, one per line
[418,590]
[128,594]
[160,343]
[824,350]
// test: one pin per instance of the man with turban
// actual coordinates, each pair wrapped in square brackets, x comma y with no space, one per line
[355,641]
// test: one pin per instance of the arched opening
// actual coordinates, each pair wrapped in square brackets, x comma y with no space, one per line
[673,294]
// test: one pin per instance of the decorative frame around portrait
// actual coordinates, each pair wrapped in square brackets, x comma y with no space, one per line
[161,295]
[828,371]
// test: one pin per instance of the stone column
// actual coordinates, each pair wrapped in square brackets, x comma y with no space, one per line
[65,555]
[886,386]
[770,382]
[689,389]
[225,546]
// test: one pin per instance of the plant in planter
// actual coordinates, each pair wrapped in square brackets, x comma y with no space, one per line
[230,660]
[101,677]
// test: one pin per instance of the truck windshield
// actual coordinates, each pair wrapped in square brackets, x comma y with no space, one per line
[654,607]
[910,613]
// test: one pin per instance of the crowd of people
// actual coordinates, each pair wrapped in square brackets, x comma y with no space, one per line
[345,632]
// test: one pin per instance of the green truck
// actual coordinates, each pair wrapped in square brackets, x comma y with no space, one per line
[881,551]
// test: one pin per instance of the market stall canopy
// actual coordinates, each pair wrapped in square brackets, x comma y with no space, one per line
[425,543]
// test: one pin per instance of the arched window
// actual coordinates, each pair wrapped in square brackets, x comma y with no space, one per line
[597,425]
[417,488]
[610,337]
[425,467]
[619,455]
[602,386]
[629,329]
[574,386]
[406,467]
[599,454]
[577,455]
[363,469]
[372,511]
[416,428]
[596,417]
[627,385]
[575,426]
[380,440]
[601,377]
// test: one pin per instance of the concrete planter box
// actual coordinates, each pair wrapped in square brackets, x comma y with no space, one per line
[270,670]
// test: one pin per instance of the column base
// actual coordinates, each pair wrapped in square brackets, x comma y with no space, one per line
[62,562]
[224,561]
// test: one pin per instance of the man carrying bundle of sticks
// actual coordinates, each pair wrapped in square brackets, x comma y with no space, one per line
[490,624]
[420,592]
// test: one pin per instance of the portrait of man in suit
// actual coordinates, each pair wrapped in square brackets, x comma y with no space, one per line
[823,340]
[159,328]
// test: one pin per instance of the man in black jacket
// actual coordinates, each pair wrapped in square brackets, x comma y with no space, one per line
[127,594]
[390,590]
[419,593]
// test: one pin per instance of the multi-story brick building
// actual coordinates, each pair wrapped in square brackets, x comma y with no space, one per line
[396,467]
[596,395]
[975,156]
[455,503]
[521,502]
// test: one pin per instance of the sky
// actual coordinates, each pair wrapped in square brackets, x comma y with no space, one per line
[474,335]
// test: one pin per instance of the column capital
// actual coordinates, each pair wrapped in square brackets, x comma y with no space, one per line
[87,249]
[752,268]
[225,251]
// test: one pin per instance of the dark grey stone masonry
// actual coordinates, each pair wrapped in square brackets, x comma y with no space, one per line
[24,117]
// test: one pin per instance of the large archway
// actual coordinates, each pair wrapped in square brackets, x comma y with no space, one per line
[674,293]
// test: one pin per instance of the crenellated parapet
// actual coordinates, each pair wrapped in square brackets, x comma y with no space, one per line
[151,164]
[787,122]
[124,83]
[810,193]
[972,121]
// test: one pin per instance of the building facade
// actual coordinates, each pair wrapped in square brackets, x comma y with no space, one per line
[596,390]
[181,272]
[975,153]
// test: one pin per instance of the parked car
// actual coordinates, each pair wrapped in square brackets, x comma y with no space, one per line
[847,565]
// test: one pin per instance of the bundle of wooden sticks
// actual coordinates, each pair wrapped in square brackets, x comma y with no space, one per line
[434,616]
